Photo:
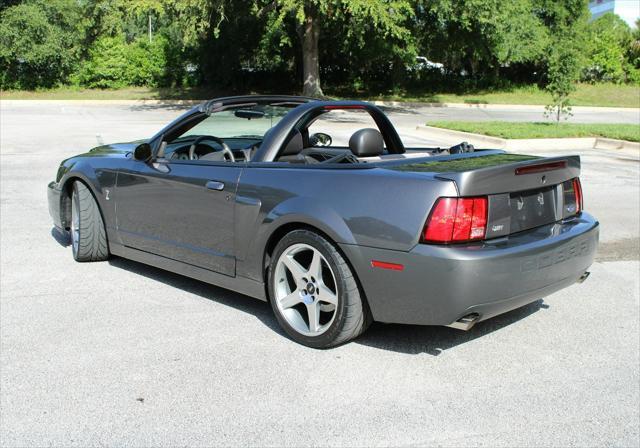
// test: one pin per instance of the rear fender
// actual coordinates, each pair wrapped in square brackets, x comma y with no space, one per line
[298,210]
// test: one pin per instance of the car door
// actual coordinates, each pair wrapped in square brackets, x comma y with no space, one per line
[182,210]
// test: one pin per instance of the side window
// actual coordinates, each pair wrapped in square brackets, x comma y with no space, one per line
[341,124]
[229,135]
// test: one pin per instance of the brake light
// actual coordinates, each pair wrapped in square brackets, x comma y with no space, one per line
[454,220]
[573,201]
[577,187]
[541,167]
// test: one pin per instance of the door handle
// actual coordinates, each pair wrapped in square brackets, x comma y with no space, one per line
[215,185]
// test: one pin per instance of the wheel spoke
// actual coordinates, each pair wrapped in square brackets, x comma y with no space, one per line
[315,268]
[294,267]
[326,295]
[314,316]
[290,300]
[307,267]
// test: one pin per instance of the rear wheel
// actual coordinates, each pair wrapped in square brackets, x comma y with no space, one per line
[314,293]
[88,236]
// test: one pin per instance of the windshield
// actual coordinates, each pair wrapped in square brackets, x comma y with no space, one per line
[245,121]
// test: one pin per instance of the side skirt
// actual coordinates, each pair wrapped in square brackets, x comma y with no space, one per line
[242,285]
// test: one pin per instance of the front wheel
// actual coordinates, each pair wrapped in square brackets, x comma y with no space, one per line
[88,236]
[314,293]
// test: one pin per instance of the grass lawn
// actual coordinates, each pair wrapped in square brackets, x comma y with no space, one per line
[128,93]
[611,95]
[586,95]
[630,132]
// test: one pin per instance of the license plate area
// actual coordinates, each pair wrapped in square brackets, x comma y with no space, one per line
[533,208]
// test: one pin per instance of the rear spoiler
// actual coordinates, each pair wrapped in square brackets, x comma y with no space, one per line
[518,176]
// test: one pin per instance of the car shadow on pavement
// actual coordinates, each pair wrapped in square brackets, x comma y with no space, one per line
[226,297]
[410,339]
[433,340]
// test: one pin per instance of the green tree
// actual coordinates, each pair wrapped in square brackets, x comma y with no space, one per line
[480,36]
[609,38]
[562,73]
[388,18]
[566,23]
[40,43]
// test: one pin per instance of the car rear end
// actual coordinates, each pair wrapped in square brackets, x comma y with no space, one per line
[515,232]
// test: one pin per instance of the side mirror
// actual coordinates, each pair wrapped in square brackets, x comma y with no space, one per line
[142,152]
[320,139]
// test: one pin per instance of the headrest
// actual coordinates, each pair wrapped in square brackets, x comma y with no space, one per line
[294,145]
[366,143]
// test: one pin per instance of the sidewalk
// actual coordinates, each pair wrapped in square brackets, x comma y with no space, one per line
[486,141]
[405,104]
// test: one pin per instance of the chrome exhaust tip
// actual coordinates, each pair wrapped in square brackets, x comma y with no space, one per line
[583,277]
[466,322]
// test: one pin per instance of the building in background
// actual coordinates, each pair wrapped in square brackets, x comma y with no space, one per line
[628,10]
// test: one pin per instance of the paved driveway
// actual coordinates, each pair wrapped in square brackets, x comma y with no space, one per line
[498,112]
[118,353]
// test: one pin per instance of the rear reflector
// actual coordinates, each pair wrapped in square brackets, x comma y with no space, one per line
[541,167]
[385,265]
[454,220]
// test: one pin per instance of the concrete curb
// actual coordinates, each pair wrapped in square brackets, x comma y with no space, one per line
[486,141]
[540,108]
[534,107]
[102,102]
[609,143]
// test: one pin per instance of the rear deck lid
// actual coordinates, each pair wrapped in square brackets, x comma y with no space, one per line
[523,191]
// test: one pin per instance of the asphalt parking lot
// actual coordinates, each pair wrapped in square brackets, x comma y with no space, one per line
[118,353]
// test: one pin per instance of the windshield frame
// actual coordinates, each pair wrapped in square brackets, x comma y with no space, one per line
[200,112]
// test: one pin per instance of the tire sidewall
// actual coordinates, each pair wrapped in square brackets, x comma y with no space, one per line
[325,248]
[75,204]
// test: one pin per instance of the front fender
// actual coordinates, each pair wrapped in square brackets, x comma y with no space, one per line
[101,181]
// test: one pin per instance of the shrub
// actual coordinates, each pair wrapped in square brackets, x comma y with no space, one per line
[608,40]
[114,63]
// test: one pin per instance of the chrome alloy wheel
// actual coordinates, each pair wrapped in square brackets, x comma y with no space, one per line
[306,293]
[75,223]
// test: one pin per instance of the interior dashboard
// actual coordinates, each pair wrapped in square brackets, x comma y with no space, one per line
[242,147]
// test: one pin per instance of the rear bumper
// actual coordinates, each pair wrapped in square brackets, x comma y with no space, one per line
[441,284]
[53,196]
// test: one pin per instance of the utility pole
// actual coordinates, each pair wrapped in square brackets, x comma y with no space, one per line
[150,28]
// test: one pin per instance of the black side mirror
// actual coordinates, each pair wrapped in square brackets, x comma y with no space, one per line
[142,152]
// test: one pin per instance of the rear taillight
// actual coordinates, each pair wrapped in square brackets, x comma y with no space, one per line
[454,220]
[572,197]
[577,186]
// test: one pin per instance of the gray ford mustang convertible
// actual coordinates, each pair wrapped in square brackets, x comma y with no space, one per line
[317,207]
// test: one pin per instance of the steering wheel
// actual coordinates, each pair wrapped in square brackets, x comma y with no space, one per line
[228,154]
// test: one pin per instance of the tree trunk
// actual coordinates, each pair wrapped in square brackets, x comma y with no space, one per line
[310,62]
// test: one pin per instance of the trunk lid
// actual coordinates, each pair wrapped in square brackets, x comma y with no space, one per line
[523,191]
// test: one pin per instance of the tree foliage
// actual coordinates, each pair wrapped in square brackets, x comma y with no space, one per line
[293,45]
[114,63]
[609,50]
[40,43]
[316,20]
[480,36]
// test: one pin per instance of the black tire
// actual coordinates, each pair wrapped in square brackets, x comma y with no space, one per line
[352,316]
[88,235]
